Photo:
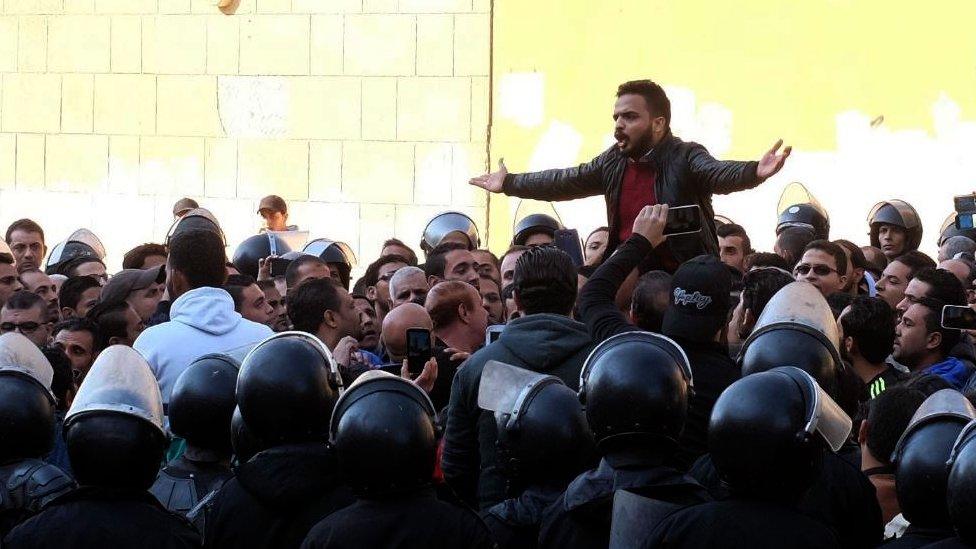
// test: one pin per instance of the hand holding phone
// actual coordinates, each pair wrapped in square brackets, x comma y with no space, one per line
[683,220]
[493,332]
[419,349]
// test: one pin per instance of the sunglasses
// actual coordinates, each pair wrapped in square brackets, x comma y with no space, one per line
[819,270]
[24,327]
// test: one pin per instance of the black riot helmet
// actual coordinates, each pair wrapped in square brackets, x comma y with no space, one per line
[921,474]
[948,229]
[635,386]
[202,403]
[197,218]
[114,428]
[256,248]
[798,208]
[543,436]
[338,255]
[960,496]
[242,439]
[900,214]
[768,432]
[444,224]
[534,224]
[797,328]
[26,401]
[81,243]
[383,432]
[287,387]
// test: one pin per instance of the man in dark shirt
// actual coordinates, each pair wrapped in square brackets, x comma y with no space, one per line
[646,166]
[867,328]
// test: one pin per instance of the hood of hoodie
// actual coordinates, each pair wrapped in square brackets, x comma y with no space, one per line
[207,309]
[544,340]
[290,476]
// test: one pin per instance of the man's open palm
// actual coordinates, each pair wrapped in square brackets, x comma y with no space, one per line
[771,162]
[491,182]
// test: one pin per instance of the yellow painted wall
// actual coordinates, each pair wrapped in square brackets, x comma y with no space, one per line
[740,75]
[367,115]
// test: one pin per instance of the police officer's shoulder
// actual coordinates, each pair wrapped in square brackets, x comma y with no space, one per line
[38,483]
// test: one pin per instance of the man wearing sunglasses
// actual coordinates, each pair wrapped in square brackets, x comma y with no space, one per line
[26,312]
[647,165]
[824,264]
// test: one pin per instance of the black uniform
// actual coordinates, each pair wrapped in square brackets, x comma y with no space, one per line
[581,516]
[185,486]
[920,537]
[25,487]
[417,519]
[514,523]
[276,498]
[740,523]
[843,498]
[96,518]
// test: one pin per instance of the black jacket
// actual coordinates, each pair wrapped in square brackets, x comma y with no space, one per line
[740,524]
[580,518]
[417,519]
[545,343]
[276,498]
[514,523]
[843,498]
[597,300]
[685,175]
[920,537]
[95,518]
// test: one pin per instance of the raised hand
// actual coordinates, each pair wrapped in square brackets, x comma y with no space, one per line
[491,182]
[650,223]
[771,162]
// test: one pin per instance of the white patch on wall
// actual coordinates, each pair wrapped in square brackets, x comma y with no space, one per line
[521,98]
[253,106]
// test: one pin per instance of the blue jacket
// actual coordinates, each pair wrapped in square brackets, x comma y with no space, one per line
[953,370]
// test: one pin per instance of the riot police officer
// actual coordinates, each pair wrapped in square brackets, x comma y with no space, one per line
[286,389]
[27,420]
[450,226]
[921,474]
[635,387]
[114,430]
[543,442]
[256,248]
[80,244]
[197,218]
[895,228]
[798,208]
[200,411]
[797,328]
[535,230]
[960,497]
[768,434]
[383,432]
[337,255]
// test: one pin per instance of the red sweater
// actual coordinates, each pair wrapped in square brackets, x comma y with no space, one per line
[636,192]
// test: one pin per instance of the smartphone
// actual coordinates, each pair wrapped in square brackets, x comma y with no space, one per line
[493,333]
[683,220]
[965,221]
[278,266]
[568,240]
[958,317]
[419,349]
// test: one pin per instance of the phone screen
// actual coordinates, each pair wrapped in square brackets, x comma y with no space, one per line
[958,317]
[683,220]
[965,221]
[493,333]
[279,265]
[418,349]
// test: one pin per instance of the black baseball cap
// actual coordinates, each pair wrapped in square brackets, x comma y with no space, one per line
[700,298]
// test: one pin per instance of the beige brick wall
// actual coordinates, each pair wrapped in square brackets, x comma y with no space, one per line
[368,115]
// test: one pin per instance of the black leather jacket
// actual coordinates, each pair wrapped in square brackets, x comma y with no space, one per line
[686,175]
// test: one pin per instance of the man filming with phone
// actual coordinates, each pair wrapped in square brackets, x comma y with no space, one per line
[647,165]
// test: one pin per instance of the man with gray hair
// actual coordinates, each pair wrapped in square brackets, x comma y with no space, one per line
[955,245]
[408,285]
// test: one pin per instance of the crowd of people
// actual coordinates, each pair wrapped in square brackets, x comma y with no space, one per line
[631,389]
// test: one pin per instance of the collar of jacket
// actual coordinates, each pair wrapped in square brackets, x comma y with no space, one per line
[655,155]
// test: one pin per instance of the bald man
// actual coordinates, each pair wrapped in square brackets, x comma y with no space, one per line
[395,325]
[460,319]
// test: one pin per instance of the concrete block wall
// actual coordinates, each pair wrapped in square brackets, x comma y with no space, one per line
[369,116]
